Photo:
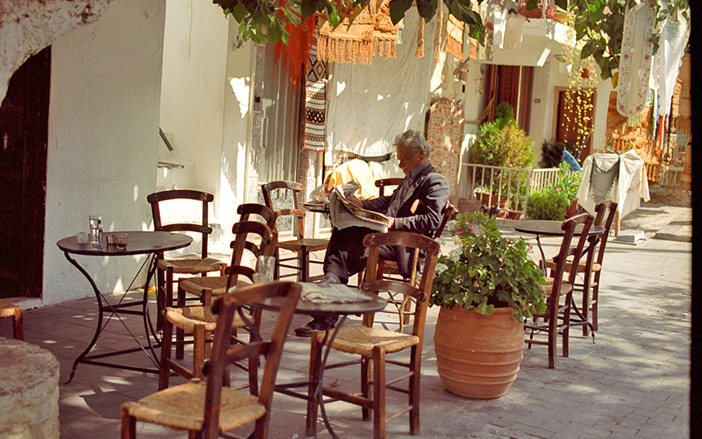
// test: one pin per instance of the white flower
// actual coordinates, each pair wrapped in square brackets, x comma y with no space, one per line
[455,254]
[440,268]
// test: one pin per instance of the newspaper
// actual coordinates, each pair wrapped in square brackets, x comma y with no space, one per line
[346,214]
[320,292]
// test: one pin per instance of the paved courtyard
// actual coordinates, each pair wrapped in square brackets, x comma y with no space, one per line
[633,382]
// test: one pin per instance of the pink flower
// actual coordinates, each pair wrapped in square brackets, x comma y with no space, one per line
[501,259]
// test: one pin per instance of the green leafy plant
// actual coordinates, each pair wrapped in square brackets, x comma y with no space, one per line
[547,204]
[568,182]
[487,270]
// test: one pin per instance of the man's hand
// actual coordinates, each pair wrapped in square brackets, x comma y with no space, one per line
[355,201]
[392,223]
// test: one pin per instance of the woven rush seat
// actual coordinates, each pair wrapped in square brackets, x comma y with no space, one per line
[188,317]
[568,265]
[362,340]
[201,286]
[564,289]
[191,266]
[175,407]
[312,244]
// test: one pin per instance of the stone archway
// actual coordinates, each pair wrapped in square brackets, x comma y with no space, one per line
[28,26]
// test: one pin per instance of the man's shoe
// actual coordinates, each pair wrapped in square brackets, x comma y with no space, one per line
[316,324]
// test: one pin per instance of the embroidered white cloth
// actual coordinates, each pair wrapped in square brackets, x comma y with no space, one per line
[369,105]
[331,293]
[631,187]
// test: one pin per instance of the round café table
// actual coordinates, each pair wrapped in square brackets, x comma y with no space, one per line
[138,243]
[371,304]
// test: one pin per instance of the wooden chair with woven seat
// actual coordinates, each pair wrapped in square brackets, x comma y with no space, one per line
[591,268]
[199,321]
[556,319]
[208,408]
[255,211]
[301,246]
[403,306]
[167,268]
[8,310]
[375,345]
[386,183]
[254,237]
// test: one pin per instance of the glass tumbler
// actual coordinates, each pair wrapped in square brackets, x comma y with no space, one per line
[265,269]
[95,230]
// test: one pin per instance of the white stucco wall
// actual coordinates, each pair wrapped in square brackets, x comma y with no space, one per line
[103,134]
[205,108]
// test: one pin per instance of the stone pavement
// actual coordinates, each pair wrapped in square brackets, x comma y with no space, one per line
[633,382]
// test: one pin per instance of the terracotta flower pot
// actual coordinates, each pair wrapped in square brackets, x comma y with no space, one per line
[478,356]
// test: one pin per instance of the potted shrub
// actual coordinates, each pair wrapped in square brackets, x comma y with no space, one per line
[485,287]
[557,201]
[500,143]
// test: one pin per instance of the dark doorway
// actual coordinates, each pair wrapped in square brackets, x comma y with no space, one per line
[24,122]
[574,124]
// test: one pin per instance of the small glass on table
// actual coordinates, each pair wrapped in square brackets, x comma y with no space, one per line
[265,269]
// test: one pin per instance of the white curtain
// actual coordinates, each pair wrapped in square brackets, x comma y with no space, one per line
[368,105]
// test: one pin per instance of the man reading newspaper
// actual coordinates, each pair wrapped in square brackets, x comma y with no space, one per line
[415,206]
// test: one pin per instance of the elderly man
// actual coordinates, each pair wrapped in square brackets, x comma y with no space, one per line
[415,206]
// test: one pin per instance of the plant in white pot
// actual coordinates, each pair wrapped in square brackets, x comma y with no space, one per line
[486,287]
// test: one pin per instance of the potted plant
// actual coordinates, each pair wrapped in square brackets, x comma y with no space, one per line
[557,201]
[485,287]
[500,143]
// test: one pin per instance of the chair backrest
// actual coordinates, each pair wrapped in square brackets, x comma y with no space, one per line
[203,227]
[569,253]
[449,211]
[254,237]
[264,213]
[606,212]
[271,349]
[384,183]
[295,189]
[374,282]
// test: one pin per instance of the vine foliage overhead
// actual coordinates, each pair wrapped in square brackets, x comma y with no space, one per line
[264,21]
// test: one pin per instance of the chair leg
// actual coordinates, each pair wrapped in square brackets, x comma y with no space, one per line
[164,372]
[18,324]
[128,423]
[566,325]
[365,380]
[304,273]
[595,300]
[198,350]
[585,304]
[180,334]
[415,368]
[552,336]
[159,299]
[312,403]
[378,393]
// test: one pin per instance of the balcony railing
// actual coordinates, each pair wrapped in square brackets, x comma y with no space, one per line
[505,188]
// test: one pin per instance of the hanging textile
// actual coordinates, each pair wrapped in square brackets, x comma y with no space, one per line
[445,136]
[667,62]
[370,105]
[454,37]
[420,39]
[361,35]
[315,100]
[635,61]
[297,49]
[630,187]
